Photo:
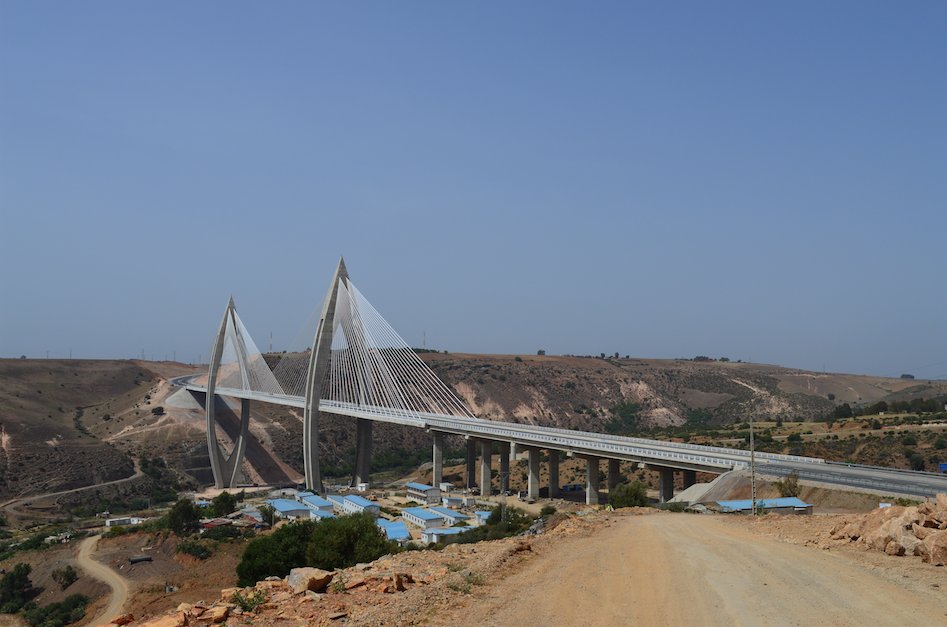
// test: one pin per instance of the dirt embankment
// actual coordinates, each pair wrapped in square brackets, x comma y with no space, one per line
[638,566]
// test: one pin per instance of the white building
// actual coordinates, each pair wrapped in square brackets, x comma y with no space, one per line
[423,518]
[423,493]
[125,521]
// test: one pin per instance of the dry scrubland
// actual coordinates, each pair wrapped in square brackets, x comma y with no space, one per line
[637,566]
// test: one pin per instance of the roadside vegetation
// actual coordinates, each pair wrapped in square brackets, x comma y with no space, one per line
[333,543]
[17,593]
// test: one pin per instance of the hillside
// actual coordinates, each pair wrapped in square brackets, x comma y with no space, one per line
[580,392]
[66,424]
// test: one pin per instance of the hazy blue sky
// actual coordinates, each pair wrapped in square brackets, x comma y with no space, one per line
[767,183]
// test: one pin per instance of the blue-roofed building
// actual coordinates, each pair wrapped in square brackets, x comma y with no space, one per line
[786,505]
[423,492]
[354,504]
[318,514]
[336,500]
[286,508]
[450,516]
[442,535]
[423,518]
[316,502]
[394,530]
[303,495]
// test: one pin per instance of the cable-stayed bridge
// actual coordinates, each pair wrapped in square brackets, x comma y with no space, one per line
[358,366]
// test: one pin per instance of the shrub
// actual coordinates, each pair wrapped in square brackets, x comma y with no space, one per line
[498,525]
[275,554]
[633,494]
[192,547]
[225,532]
[940,443]
[794,437]
[788,486]
[547,510]
[346,541]
[65,577]
[251,601]
[909,440]
[70,610]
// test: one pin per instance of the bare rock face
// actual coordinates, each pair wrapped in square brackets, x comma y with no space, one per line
[301,580]
[124,619]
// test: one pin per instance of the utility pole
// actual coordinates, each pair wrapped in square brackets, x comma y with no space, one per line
[752,468]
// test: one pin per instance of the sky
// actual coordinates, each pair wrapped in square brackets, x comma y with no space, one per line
[760,181]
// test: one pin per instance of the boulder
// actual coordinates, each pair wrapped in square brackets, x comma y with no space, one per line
[894,548]
[940,502]
[178,619]
[933,549]
[302,579]
[124,619]
[216,614]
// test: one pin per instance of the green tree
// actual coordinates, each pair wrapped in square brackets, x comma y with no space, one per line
[788,486]
[184,517]
[16,589]
[224,503]
[346,541]
[65,577]
[268,512]
[633,494]
[275,554]
[71,610]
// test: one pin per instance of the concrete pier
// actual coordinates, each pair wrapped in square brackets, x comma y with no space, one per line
[591,480]
[690,478]
[471,478]
[486,470]
[533,480]
[666,486]
[614,474]
[504,467]
[553,474]
[363,451]
[437,473]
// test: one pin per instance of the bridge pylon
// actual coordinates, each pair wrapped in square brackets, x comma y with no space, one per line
[318,365]
[226,468]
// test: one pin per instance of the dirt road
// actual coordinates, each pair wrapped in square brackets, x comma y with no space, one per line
[116,582]
[697,570]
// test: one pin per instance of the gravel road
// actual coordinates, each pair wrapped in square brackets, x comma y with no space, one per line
[698,570]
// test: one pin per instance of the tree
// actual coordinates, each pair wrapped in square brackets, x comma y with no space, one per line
[346,541]
[268,512]
[16,589]
[843,411]
[157,411]
[224,503]
[633,494]
[788,486]
[794,437]
[65,577]
[184,517]
[275,554]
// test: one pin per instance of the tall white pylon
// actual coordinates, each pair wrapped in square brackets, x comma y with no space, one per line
[318,366]
[227,467]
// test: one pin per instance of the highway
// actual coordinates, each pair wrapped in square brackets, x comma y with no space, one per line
[676,455]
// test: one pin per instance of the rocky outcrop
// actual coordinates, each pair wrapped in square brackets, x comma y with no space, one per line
[898,531]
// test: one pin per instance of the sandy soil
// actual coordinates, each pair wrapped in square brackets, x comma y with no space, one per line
[665,569]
